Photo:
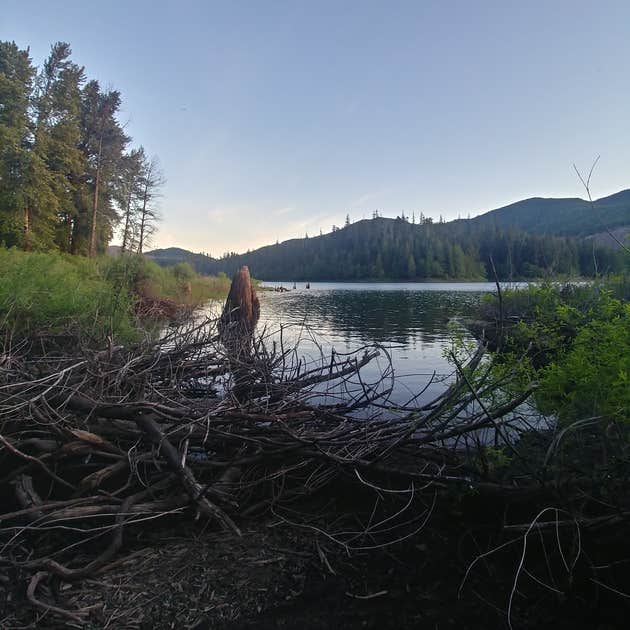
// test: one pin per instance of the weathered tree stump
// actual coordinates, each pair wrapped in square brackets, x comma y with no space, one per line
[240,313]
[236,328]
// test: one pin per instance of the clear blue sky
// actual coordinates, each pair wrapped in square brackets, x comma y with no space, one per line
[272,119]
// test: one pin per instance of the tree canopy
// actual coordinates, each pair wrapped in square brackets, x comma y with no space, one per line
[67,172]
[395,249]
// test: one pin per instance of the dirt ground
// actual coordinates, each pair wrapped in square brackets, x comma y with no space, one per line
[274,577]
[271,577]
[279,577]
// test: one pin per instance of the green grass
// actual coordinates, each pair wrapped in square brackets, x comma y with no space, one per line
[90,300]
[45,294]
[179,283]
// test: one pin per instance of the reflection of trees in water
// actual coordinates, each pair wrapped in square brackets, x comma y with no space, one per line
[377,316]
[412,324]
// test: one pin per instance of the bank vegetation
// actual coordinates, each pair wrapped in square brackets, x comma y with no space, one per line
[504,496]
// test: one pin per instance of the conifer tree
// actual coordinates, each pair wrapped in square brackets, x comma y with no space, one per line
[411,266]
[57,105]
[129,192]
[16,86]
[103,144]
[151,182]
[63,168]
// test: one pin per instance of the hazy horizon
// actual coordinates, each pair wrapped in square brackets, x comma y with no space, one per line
[380,216]
[272,122]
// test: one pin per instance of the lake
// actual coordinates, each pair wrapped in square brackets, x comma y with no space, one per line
[412,321]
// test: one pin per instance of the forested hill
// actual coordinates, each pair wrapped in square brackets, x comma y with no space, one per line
[562,217]
[396,249]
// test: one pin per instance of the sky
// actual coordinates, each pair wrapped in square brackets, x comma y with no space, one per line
[276,119]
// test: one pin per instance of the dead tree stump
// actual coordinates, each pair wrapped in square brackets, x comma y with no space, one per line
[241,311]
[236,329]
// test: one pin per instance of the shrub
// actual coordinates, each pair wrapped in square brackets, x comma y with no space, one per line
[578,340]
[593,377]
[183,272]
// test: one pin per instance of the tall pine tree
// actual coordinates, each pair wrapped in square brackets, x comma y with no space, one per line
[57,105]
[103,143]
[16,139]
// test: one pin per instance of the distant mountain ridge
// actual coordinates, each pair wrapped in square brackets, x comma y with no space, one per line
[527,239]
[562,217]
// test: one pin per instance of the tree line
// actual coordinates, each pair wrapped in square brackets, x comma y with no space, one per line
[396,249]
[69,176]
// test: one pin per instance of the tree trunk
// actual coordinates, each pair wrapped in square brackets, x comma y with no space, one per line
[126,239]
[27,229]
[74,237]
[143,218]
[241,310]
[92,247]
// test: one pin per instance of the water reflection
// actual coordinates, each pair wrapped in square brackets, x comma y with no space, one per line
[399,317]
[411,321]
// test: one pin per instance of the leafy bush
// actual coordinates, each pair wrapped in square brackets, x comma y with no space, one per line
[183,272]
[578,341]
[546,318]
[592,378]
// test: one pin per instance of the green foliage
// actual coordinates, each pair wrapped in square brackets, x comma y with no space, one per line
[461,346]
[548,316]
[592,377]
[393,249]
[65,179]
[16,85]
[54,294]
[179,283]
[577,340]
[183,272]
[90,299]
[492,460]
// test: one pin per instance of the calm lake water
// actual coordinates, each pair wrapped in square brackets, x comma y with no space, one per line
[412,321]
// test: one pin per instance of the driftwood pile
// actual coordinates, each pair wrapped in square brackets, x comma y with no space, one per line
[95,444]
